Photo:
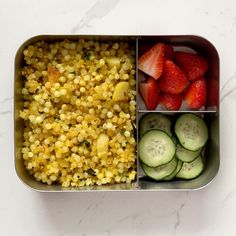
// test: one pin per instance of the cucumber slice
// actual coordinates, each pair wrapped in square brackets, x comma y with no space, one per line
[156,148]
[192,169]
[185,155]
[154,121]
[191,131]
[173,174]
[160,172]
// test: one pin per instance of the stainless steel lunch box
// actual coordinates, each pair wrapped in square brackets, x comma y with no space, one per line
[211,114]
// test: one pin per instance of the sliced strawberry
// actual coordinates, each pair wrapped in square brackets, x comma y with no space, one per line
[148,90]
[152,61]
[169,52]
[173,79]
[196,93]
[170,101]
[193,65]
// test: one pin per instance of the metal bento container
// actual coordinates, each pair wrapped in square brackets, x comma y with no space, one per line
[211,114]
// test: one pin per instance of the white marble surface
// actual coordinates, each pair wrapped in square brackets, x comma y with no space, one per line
[211,211]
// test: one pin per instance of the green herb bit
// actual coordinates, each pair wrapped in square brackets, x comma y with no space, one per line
[86,143]
[91,172]
[87,55]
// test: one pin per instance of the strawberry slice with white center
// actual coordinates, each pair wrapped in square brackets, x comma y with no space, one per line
[196,93]
[152,61]
[148,90]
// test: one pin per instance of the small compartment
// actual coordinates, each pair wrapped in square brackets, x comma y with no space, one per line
[210,154]
[210,112]
[190,44]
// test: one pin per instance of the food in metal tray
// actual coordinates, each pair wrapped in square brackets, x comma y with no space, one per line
[79,110]
[178,76]
[164,157]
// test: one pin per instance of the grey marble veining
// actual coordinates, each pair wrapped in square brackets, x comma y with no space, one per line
[178,214]
[98,10]
[228,87]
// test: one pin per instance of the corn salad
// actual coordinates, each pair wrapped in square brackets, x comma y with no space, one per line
[79,112]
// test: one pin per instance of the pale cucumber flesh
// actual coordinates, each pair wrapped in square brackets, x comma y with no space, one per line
[190,170]
[191,131]
[154,121]
[156,148]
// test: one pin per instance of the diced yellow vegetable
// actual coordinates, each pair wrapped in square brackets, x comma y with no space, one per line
[102,144]
[113,62]
[121,92]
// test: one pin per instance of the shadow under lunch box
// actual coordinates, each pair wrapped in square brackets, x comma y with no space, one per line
[210,114]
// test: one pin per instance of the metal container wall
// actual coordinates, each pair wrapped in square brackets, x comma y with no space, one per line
[210,114]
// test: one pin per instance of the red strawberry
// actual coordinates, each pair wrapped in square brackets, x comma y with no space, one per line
[173,79]
[148,90]
[152,61]
[196,93]
[170,101]
[193,65]
[169,52]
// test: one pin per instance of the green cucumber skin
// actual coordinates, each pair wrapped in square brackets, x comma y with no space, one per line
[181,142]
[183,174]
[174,160]
[187,148]
[175,172]
[178,155]
[161,163]
[146,117]
[190,178]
